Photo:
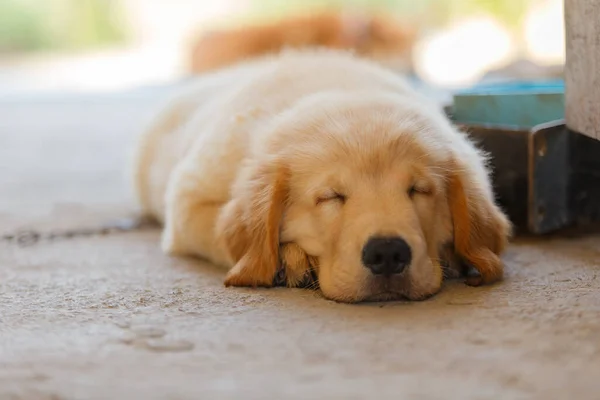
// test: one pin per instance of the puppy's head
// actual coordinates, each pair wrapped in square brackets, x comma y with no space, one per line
[372,187]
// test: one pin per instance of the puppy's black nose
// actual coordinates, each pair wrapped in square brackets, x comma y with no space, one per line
[386,255]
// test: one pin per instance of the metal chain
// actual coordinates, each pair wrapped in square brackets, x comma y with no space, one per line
[31,237]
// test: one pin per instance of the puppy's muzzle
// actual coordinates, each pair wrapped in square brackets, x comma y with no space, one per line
[386,256]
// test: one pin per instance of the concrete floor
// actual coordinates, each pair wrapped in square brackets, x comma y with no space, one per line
[112,318]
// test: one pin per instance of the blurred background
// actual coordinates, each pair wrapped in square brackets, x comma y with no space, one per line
[92,46]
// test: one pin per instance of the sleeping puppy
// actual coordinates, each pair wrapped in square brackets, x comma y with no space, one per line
[320,163]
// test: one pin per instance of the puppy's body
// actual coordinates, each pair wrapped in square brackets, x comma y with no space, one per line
[238,168]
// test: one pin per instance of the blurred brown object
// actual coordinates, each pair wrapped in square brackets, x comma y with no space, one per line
[380,38]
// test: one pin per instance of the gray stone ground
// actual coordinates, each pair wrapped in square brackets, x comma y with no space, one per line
[112,318]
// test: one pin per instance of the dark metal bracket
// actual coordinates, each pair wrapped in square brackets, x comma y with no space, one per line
[546,178]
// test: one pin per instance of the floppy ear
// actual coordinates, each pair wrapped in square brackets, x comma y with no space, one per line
[481,230]
[249,226]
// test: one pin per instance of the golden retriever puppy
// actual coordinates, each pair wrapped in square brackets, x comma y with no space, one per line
[378,37]
[320,163]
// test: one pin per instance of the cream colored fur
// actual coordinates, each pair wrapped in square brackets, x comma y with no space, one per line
[301,124]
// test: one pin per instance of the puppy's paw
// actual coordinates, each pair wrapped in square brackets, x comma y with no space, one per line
[168,242]
[472,277]
[297,268]
[452,266]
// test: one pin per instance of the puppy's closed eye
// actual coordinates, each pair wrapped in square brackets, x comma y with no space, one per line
[330,196]
[419,189]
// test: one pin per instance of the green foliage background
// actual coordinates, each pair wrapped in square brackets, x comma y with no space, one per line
[30,25]
[27,25]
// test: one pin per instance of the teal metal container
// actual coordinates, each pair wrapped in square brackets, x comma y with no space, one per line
[519,105]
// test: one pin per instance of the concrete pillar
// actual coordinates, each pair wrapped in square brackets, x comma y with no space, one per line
[582,70]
